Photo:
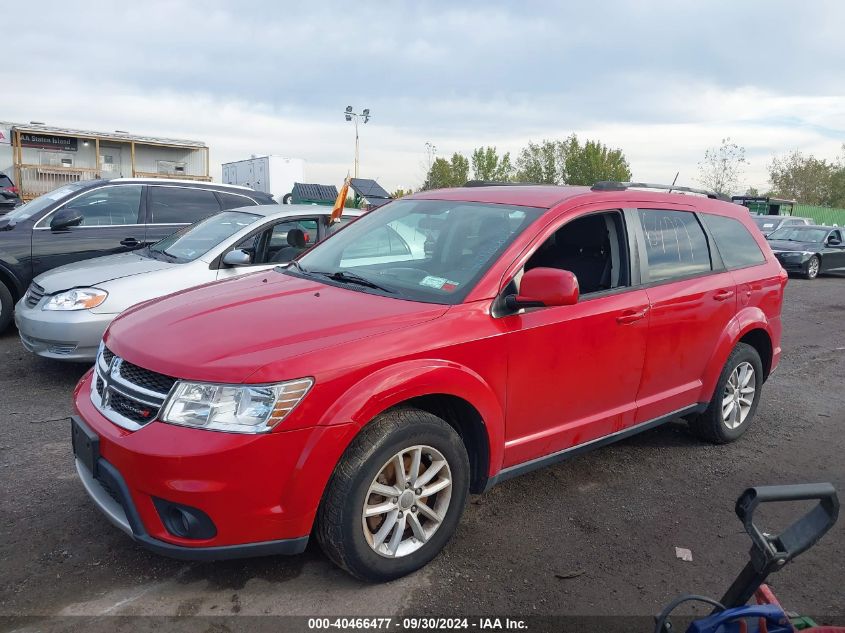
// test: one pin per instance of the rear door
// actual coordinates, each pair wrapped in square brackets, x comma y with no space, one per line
[112,222]
[170,207]
[692,299]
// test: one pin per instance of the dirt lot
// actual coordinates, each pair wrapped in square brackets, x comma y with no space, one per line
[595,535]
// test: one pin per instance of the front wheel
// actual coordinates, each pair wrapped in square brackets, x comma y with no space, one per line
[7,306]
[811,268]
[396,496]
[734,403]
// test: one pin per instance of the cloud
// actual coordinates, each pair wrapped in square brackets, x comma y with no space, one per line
[662,80]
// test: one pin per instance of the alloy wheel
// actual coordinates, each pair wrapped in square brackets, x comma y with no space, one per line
[813,267]
[738,395]
[407,501]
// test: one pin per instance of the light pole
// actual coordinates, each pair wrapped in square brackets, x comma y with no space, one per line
[350,115]
[431,150]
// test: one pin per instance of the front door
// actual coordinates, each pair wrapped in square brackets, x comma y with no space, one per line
[573,371]
[274,246]
[111,223]
[833,256]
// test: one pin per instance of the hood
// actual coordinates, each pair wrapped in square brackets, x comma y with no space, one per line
[93,272]
[226,331]
[786,245]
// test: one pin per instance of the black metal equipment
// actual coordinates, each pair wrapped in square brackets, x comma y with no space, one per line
[613,185]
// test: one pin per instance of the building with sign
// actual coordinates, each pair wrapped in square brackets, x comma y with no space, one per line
[40,158]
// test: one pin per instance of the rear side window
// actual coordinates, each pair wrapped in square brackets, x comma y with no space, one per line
[5,181]
[231,201]
[180,205]
[675,244]
[736,245]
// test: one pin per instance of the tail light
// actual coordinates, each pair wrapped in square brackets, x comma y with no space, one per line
[13,190]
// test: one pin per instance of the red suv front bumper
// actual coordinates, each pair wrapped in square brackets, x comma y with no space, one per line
[261,492]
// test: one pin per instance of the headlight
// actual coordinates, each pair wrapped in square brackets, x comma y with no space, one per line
[76,299]
[234,408]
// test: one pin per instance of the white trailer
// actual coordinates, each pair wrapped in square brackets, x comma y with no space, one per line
[271,174]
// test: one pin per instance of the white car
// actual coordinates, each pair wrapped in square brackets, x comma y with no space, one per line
[66,311]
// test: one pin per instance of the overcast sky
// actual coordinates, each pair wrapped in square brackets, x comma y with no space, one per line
[661,80]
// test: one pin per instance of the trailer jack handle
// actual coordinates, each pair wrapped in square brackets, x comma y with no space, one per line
[770,553]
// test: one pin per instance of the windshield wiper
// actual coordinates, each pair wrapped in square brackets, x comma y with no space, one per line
[352,278]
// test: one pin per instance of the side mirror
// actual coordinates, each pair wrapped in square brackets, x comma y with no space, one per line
[65,219]
[545,287]
[237,258]
[833,242]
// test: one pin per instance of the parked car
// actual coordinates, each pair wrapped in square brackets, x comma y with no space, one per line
[770,223]
[101,217]
[65,312]
[362,401]
[809,250]
[9,198]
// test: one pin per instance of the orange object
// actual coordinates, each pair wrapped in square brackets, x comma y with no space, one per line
[340,202]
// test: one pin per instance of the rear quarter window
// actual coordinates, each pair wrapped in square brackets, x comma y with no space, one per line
[736,245]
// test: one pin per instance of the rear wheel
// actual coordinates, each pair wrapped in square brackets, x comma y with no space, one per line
[811,268]
[7,306]
[734,403]
[396,496]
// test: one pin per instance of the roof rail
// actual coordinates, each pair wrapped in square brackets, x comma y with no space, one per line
[497,183]
[612,185]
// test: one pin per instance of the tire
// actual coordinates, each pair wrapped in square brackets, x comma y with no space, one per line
[287,199]
[811,268]
[350,540]
[7,307]
[713,425]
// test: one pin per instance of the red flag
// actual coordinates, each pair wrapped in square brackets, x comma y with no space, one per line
[340,202]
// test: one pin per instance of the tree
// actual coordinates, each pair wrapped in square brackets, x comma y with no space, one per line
[401,193]
[488,165]
[803,178]
[447,173]
[541,163]
[588,163]
[721,168]
[752,192]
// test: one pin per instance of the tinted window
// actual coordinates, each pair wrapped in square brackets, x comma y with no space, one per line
[675,244]
[766,222]
[5,181]
[108,206]
[180,205]
[736,245]
[231,201]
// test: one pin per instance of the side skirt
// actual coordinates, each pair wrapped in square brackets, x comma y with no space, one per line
[568,453]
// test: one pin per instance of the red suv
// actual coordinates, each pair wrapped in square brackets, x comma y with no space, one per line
[432,348]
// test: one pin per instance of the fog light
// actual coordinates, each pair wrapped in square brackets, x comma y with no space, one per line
[185,521]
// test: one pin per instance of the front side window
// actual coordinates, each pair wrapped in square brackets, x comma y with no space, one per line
[424,250]
[675,244]
[196,240]
[592,247]
[28,210]
[108,206]
[180,205]
[736,245]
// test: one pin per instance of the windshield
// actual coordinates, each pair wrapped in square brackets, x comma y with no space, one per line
[196,240]
[26,211]
[765,221]
[799,234]
[424,250]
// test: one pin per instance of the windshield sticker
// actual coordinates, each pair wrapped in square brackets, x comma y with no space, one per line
[439,283]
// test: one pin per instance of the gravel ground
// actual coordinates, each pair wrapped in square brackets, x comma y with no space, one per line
[595,535]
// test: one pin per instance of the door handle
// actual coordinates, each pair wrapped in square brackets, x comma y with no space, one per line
[723,295]
[130,242]
[631,316]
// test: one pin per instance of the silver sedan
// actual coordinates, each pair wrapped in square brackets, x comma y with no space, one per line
[66,311]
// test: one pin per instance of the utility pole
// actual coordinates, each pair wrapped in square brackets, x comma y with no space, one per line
[350,115]
[431,150]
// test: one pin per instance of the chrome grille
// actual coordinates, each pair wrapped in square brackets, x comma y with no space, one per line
[128,395]
[34,295]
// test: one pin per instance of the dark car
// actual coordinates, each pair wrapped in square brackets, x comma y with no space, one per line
[809,250]
[771,223]
[9,198]
[101,217]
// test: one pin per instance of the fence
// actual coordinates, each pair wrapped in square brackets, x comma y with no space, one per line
[820,215]
[36,180]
